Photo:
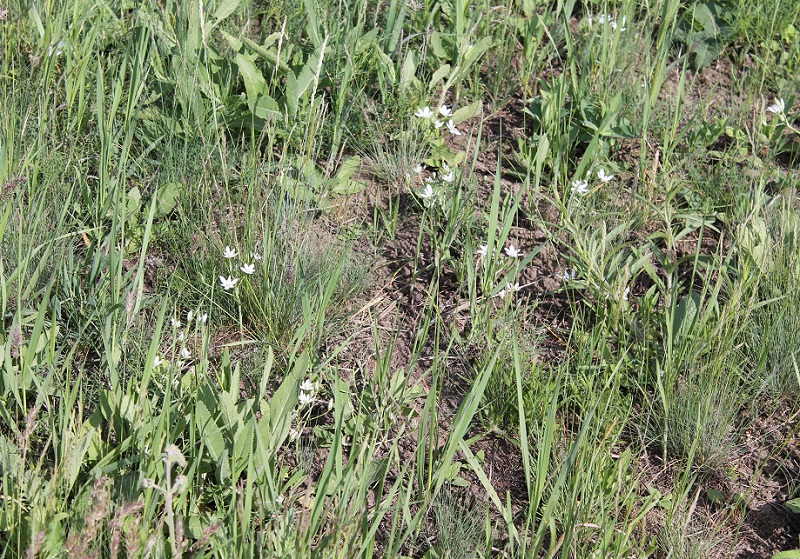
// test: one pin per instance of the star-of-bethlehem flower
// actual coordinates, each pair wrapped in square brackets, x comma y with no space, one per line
[778,107]
[449,177]
[438,124]
[424,112]
[580,186]
[307,385]
[452,128]
[483,250]
[203,318]
[248,269]
[175,323]
[445,111]
[228,283]
[229,252]
[418,169]
[157,362]
[626,293]
[428,192]
[512,252]
[255,256]
[601,174]
[306,398]
[185,353]
[569,277]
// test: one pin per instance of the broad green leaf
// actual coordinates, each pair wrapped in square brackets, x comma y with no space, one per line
[793,505]
[465,113]
[408,71]
[254,82]
[225,9]
[167,198]
[282,404]
[440,74]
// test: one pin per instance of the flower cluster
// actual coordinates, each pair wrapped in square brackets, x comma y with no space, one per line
[248,268]
[428,193]
[308,392]
[445,111]
[608,19]
[509,289]
[580,186]
[185,353]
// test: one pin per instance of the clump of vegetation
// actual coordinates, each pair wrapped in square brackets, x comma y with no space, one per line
[444,279]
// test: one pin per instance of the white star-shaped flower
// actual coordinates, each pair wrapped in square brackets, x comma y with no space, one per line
[424,112]
[438,124]
[601,174]
[185,353]
[483,250]
[306,399]
[778,107]
[307,385]
[203,318]
[512,287]
[255,256]
[501,294]
[175,323]
[228,283]
[418,169]
[248,269]
[626,293]
[580,186]
[449,177]
[445,111]
[157,362]
[428,192]
[229,252]
[512,252]
[452,128]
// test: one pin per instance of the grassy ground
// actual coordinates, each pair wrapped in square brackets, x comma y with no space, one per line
[399,279]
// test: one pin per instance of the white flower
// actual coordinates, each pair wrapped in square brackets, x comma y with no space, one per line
[157,362]
[306,399]
[294,434]
[483,250]
[512,287]
[330,404]
[181,336]
[229,252]
[449,177]
[185,353]
[418,169]
[307,385]
[424,112]
[601,174]
[189,316]
[501,294]
[438,124]
[228,283]
[580,186]
[512,252]
[255,256]
[204,318]
[175,323]
[626,293]
[778,107]
[248,269]
[445,111]
[569,277]
[602,18]
[452,128]
[428,192]
[280,499]
[445,166]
